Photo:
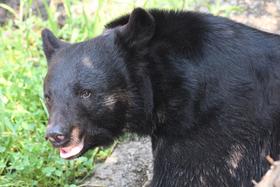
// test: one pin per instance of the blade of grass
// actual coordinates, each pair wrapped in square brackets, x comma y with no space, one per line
[51,16]
[9,9]
[67,5]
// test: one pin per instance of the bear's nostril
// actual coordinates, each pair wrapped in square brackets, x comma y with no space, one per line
[60,137]
[56,139]
[51,139]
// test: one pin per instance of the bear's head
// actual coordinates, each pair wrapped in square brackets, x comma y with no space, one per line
[93,90]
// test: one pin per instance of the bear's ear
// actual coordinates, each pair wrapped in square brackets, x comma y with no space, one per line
[51,44]
[140,27]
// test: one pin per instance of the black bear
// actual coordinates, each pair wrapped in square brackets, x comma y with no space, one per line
[204,88]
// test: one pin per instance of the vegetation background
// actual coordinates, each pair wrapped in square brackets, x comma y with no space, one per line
[26,159]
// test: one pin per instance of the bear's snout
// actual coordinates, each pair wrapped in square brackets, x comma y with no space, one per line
[56,135]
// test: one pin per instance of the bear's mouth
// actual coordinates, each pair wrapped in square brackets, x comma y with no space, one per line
[72,151]
[75,148]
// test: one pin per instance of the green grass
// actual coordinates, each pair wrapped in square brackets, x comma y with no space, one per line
[26,159]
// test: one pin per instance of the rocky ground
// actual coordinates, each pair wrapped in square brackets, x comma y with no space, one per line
[262,14]
[130,165]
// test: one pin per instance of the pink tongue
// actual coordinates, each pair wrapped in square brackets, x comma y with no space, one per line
[72,150]
[63,151]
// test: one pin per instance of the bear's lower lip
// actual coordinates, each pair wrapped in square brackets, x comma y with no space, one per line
[72,150]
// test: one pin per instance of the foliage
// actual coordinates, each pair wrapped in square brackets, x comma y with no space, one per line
[26,159]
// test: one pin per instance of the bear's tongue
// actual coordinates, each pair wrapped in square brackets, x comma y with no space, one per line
[71,150]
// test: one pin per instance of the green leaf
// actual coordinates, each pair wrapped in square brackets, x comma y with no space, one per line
[2,149]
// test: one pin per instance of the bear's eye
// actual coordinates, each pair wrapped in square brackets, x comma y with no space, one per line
[85,94]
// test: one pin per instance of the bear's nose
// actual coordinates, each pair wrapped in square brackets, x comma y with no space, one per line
[56,136]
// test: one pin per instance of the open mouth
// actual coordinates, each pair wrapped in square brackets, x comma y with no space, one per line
[74,148]
[71,151]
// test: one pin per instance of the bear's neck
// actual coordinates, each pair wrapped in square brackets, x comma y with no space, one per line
[162,76]
[173,111]
[165,103]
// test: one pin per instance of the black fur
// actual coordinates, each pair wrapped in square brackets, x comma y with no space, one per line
[205,88]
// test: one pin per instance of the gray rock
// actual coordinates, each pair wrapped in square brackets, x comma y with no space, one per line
[130,165]
[261,14]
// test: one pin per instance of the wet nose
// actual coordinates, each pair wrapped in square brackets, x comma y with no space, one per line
[56,135]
